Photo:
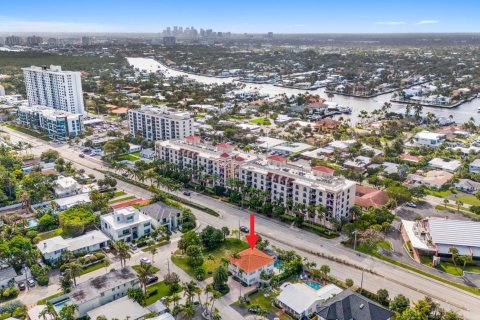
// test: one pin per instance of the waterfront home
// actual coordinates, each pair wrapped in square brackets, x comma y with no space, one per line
[126,224]
[52,249]
[250,264]
[429,139]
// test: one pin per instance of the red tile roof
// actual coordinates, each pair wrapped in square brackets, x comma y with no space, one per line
[128,203]
[411,158]
[225,155]
[224,146]
[370,197]
[238,158]
[323,169]
[277,158]
[251,259]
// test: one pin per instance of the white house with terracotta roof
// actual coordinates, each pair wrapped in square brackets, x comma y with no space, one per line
[250,264]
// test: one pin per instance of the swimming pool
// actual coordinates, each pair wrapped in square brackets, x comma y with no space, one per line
[32,223]
[313,285]
[60,304]
[277,263]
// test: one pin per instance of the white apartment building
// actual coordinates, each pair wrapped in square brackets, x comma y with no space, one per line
[54,88]
[160,123]
[126,224]
[55,123]
[285,183]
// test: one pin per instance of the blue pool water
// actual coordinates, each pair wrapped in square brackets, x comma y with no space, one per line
[313,285]
[59,305]
[32,223]
[277,263]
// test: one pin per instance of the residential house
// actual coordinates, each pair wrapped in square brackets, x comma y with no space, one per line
[367,197]
[467,185]
[100,290]
[126,224]
[147,153]
[68,202]
[301,301]
[434,179]
[429,139]
[349,305]
[66,186]
[474,166]
[444,164]
[250,264]
[358,163]
[52,249]
[123,308]
[7,274]
[163,215]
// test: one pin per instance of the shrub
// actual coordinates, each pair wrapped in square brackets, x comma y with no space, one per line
[75,220]
[153,292]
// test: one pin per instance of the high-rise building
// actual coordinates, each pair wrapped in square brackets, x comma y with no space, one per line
[52,42]
[169,41]
[34,41]
[13,41]
[54,88]
[153,123]
[87,41]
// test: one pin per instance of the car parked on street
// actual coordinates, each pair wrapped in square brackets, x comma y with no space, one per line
[244,229]
[21,286]
[31,282]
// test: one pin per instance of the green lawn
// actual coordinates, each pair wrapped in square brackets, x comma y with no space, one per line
[119,193]
[471,200]
[261,121]
[163,290]
[44,300]
[439,193]
[129,157]
[385,245]
[50,234]
[212,257]
[449,267]
[265,303]
[29,132]
[154,269]
[94,267]
[121,199]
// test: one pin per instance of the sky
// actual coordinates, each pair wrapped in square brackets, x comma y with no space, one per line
[238,16]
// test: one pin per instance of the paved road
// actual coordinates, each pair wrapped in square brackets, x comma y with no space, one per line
[387,276]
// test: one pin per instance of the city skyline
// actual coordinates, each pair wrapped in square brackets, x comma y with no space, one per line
[305,16]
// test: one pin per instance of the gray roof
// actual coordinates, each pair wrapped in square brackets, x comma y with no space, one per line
[92,289]
[157,307]
[351,305]
[455,232]
[7,274]
[159,210]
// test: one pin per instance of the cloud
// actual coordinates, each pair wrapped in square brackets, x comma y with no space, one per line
[391,23]
[9,24]
[428,22]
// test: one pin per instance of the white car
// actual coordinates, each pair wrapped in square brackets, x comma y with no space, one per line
[145,260]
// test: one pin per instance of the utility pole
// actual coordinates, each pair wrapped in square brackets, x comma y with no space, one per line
[168,267]
[355,240]
[361,283]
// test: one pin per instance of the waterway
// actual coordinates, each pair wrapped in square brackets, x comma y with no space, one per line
[460,114]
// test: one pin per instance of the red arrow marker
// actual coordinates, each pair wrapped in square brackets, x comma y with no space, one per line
[252,238]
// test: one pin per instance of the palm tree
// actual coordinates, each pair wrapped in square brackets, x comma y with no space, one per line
[175,298]
[74,270]
[144,271]
[445,202]
[153,250]
[454,252]
[122,249]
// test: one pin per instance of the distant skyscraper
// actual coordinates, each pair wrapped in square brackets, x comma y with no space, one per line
[87,41]
[34,40]
[52,41]
[54,88]
[270,35]
[13,41]
[169,41]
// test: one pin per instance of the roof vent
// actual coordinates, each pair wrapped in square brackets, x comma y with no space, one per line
[361,306]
